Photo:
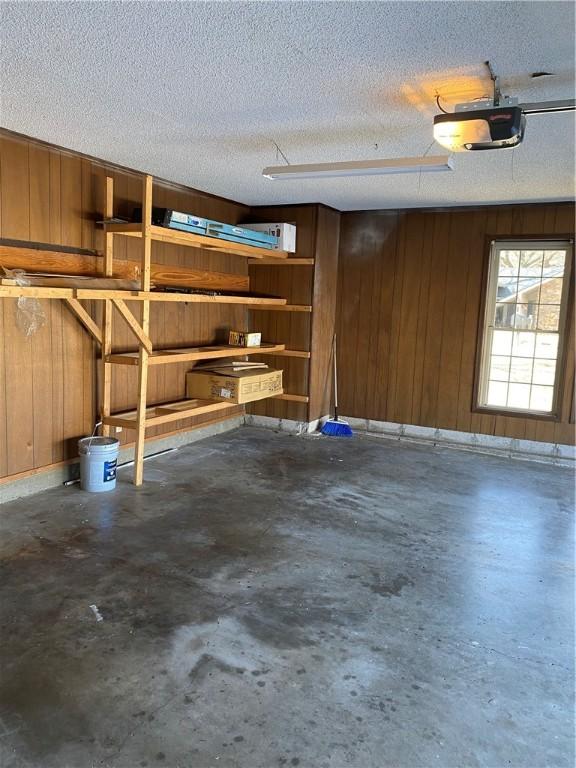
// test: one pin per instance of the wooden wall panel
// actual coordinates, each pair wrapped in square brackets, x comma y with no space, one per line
[409,305]
[325,290]
[49,382]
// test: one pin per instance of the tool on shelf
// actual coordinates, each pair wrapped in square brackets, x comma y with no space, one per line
[188,222]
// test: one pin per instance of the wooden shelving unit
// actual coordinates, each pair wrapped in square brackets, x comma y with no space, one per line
[143,415]
[191,240]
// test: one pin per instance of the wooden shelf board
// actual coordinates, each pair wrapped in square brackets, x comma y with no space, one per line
[90,294]
[188,298]
[191,240]
[286,308]
[292,353]
[188,354]
[164,413]
[289,262]
[88,265]
[292,398]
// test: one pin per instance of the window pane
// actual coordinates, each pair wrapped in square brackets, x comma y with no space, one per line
[531,263]
[518,396]
[548,317]
[509,263]
[544,371]
[521,369]
[507,287]
[541,398]
[554,263]
[497,393]
[529,290]
[499,368]
[504,315]
[525,316]
[502,342]
[523,345]
[551,291]
[546,345]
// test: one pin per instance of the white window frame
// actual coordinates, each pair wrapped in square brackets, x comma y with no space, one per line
[488,327]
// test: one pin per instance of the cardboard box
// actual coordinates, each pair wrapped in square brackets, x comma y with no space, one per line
[286,234]
[234,386]
[244,339]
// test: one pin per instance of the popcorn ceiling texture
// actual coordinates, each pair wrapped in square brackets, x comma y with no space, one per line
[198,92]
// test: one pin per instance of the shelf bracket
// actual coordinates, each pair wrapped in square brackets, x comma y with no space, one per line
[134,325]
[85,319]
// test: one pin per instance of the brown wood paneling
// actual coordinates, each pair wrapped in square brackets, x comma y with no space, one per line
[439,246]
[467,421]
[411,247]
[369,264]
[324,312]
[49,382]
[39,180]
[424,292]
[453,321]
[409,307]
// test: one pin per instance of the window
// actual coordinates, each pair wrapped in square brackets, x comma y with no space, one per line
[524,322]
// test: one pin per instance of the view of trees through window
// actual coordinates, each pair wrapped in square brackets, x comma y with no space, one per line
[524,312]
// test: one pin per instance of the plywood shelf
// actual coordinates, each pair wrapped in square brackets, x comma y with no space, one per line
[291,353]
[189,354]
[191,240]
[286,307]
[292,398]
[89,294]
[167,412]
[289,262]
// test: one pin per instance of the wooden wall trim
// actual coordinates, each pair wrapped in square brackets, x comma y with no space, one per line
[455,208]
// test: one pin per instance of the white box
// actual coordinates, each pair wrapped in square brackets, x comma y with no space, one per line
[286,234]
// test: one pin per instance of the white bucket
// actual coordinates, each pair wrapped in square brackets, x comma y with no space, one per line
[98,460]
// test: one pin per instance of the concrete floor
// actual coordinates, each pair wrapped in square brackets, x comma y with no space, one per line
[275,601]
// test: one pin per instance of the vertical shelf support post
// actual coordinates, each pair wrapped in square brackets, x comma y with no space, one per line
[143,354]
[108,270]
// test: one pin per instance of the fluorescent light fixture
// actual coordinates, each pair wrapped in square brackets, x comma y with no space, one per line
[360,168]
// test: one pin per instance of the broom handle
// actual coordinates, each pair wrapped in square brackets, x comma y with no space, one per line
[335,380]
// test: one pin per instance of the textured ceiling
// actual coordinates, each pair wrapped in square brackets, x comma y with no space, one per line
[198,93]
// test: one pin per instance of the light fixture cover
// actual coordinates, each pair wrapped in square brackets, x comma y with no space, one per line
[360,168]
[496,128]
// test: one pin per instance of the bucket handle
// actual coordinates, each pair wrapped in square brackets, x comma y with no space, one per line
[92,436]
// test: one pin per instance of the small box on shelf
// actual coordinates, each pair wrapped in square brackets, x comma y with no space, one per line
[285,234]
[244,339]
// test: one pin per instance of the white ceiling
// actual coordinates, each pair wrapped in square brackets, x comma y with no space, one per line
[197,92]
